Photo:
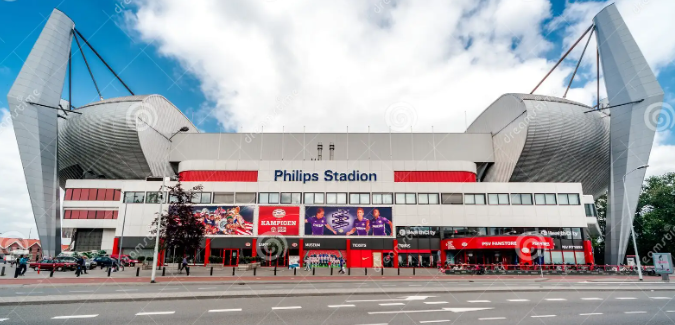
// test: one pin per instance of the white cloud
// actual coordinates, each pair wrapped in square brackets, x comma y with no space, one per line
[662,158]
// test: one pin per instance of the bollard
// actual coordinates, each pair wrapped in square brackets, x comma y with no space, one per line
[399,270]
[109,270]
[313,271]
[275,270]
[295,270]
[365,269]
[51,274]
[349,271]
[163,271]
[232,271]
[211,273]
[331,271]
[187,271]
[254,270]
[413,271]
[382,271]
[3,270]
[138,271]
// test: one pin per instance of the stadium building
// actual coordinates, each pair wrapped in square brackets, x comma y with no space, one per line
[517,187]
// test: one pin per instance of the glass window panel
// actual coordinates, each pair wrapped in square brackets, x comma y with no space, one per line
[245,198]
[574,199]
[285,198]
[196,197]
[556,257]
[173,198]
[365,198]
[342,198]
[295,198]
[318,198]
[540,198]
[433,198]
[400,198]
[309,198]
[480,199]
[469,199]
[569,257]
[354,198]
[377,198]
[515,199]
[562,199]
[263,198]
[424,198]
[526,199]
[550,198]
[410,198]
[128,197]
[274,198]
[206,198]
[331,198]
[387,198]
[504,199]
[139,197]
[152,197]
[493,199]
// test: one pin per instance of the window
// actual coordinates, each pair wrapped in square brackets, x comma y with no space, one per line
[268,198]
[314,198]
[521,199]
[544,199]
[336,198]
[244,197]
[290,198]
[383,198]
[203,198]
[173,198]
[430,198]
[154,197]
[452,198]
[474,199]
[406,198]
[499,199]
[359,198]
[568,199]
[590,210]
[134,197]
[223,198]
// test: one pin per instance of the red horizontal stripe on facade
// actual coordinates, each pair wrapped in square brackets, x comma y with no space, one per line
[434,176]
[219,176]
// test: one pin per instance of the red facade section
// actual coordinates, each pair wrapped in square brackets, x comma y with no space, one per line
[90,214]
[219,176]
[93,194]
[434,176]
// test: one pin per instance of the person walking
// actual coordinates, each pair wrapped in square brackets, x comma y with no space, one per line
[24,265]
[342,266]
[306,261]
[78,269]
[183,265]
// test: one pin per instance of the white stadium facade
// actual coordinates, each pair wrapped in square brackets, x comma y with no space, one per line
[521,179]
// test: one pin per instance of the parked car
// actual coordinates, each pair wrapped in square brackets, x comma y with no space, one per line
[126,260]
[104,261]
[53,264]
[88,262]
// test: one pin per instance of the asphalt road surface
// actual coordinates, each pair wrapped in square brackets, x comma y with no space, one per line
[609,307]
[57,290]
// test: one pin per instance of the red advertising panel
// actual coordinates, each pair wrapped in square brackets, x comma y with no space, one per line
[282,220]
[498,242]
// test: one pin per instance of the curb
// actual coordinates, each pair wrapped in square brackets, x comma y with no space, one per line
[45,300]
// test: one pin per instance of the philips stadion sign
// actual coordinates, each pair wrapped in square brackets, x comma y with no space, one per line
[328,176]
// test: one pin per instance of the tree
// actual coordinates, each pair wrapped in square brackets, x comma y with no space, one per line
[180,228]
[654,220]
[598,242]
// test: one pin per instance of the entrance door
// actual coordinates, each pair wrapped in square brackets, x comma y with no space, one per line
[230,257]
[377,259]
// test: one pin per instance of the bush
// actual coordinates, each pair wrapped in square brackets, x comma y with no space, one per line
[149,259]
[215,259]
[141,259]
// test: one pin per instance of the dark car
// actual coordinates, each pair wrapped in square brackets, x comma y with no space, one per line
[51,264]
[88,263]
[105,261]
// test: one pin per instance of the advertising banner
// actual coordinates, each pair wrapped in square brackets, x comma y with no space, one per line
[663,263]
[279,220]
[348,221]
[498,242]
[226,220]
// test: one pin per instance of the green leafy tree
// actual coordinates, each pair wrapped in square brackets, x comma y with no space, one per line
[598,242]
[180,229]
[655,218]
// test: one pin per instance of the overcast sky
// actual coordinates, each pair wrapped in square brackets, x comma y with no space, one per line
[335,64]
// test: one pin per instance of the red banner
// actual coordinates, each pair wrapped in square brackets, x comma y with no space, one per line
[281,220]
[498,242]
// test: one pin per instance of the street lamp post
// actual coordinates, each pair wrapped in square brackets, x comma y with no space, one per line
[159,226]
[124,221]
[632,217]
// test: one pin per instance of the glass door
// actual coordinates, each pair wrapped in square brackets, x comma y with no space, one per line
[230,257]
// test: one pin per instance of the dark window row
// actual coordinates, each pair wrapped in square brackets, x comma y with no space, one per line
[92,194]
[90,214]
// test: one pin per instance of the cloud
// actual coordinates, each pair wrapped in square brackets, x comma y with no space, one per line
[662,158]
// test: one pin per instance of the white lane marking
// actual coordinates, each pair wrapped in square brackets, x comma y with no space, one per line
[169,289]
[393,304]
[75,316]
[414,285]
[555,299]
[474,301]
[542,316]
[670,311]
[28,293]
[435,302]
[591,298]
[287,307]
[127,290]
[491,318]
[81,291]
[388,285]
[206,288]
[3,319]
[635,312]
[155,313]
[434,321]
[590,314]
[626,298]
[375,324]
[223,310]
[340,306]
[454,310]
[518,300]
[661,298]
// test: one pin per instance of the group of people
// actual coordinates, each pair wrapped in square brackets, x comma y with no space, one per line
[21,266]
[224,222]
[324,260]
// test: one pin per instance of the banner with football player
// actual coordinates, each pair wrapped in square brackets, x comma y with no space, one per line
[226,220]
[282,220]
[348,221]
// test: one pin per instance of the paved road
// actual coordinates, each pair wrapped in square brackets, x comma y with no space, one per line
[619,307]
[93,289]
